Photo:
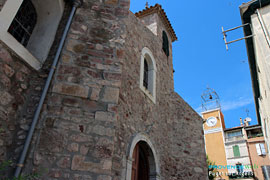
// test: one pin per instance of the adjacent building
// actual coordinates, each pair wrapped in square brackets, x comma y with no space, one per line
[238,152]
[214,140]
[255,15]
[257,150]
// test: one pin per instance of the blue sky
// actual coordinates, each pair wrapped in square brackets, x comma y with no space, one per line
[200,57]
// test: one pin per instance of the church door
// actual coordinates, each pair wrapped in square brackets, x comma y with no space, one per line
[140,164]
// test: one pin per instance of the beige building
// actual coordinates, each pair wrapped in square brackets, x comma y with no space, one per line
[214,139]
[237,152]
[256,14]
[257,151]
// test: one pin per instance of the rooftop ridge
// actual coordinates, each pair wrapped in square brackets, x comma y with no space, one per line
[158,9]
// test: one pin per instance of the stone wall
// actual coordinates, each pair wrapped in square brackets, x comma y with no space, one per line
[74,139]
[95,106]
[172,125]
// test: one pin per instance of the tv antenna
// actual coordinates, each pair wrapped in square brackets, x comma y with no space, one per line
[146,4]
[224,32]
[210,99]
[247,111]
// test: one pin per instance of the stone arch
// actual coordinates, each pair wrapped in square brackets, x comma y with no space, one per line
[151,90]
[153,158]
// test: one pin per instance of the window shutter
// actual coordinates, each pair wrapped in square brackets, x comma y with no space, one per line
[262,149]
[236,151]
[165,45]
[258,148]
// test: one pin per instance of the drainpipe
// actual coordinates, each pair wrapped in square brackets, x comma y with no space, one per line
[265,32]
[75,5]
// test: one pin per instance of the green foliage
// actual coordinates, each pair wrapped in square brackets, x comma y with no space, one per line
[211,171]
[5,164]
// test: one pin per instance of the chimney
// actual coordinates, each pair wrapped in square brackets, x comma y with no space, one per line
[246,122]
[241,121]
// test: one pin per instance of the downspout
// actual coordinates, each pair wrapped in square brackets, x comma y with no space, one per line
[265,32]
[249,154]
[75,5]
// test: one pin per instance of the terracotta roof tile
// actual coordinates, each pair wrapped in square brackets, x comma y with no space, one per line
[158,9]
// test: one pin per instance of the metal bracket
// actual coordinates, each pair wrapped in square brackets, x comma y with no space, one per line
[225,35]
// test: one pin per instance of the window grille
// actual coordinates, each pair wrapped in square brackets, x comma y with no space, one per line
[234,134]
[24,22]
[145,74]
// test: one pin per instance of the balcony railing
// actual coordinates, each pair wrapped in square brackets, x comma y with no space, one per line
[235,138]
[255,135]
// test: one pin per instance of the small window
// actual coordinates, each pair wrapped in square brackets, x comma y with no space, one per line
[260,149]
[145,74]
[236,151]
[165,45]
[23,24]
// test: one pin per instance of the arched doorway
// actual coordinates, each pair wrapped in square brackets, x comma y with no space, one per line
[142,162]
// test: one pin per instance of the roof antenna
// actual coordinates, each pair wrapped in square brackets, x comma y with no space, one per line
[247,111]
[146,4]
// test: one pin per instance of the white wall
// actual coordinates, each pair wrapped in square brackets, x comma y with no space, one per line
[243,159]
[262,52]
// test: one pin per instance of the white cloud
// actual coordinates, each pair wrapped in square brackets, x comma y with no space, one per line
[230,105]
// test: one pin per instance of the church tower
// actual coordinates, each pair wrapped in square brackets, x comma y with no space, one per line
[213,127]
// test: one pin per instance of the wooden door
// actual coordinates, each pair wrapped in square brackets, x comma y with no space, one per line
[135,163]
[140,164]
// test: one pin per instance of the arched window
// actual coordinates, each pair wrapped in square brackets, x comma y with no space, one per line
[24,22]
[28,28]
[165,45]
[148,74]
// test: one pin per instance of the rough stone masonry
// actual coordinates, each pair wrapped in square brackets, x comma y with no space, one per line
[95,107]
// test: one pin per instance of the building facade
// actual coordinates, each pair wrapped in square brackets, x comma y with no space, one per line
[257,150]
[238,152]
[110,112]
[256,15]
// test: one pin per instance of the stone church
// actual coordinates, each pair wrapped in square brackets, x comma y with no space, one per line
[87,93]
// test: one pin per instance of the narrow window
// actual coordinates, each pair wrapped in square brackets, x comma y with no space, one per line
[145,74]
[236,151]
[260,149]
[148,74]
[24,22]
[165,45]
